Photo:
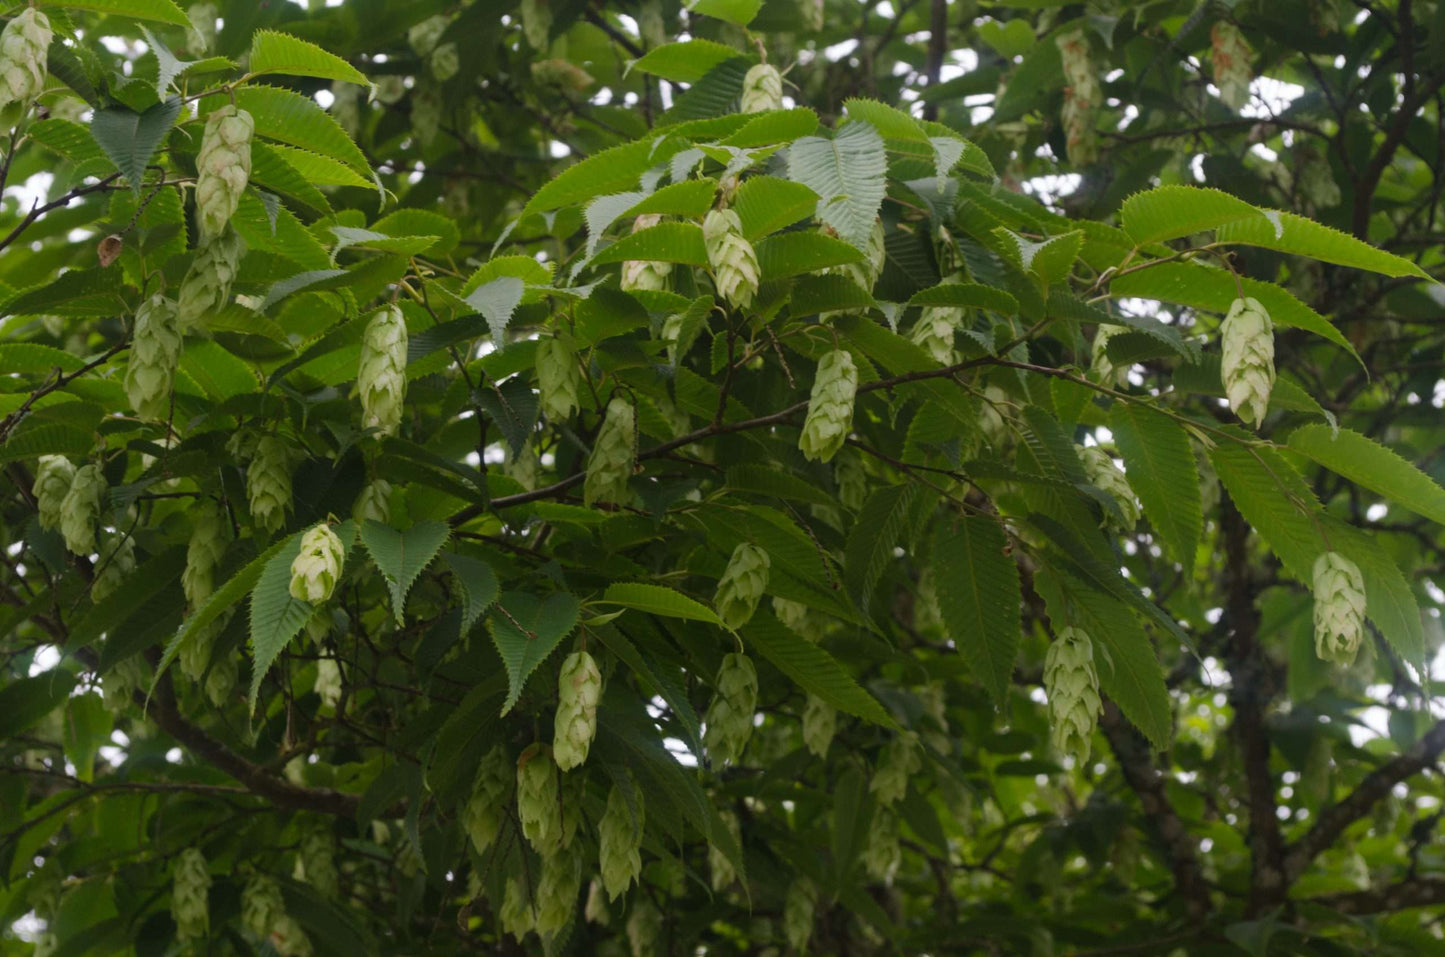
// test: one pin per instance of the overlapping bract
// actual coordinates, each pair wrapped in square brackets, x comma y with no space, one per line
[1072,685]
[830,407]
[1339,589]
[223,167]
[1247,368]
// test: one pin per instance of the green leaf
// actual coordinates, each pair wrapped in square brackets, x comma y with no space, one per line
[659,680]
[1162,473]
[1170,212]
[1370,465]
[737,12]
[149,580]
[164,11]
[1010,38]
[818,294]
[691,198]
[298,121]
[880,526]
[1275,501]
[1204,287]
[403,556]
[685,62]
[525,630]
[803,251]
[891,122]
[849,173]
[273,52]
[766,204]
[1389,599]
[497,301]
[130,138]
[978,595]
[271,171]
[478,583]
[276,617]
[812,668]
[1290,233]
[614,170]
[658,600]
[87,728]
[18,357]
[966,294]
[221,601]
[665,242]
[1051,260]
[71,140]
[765,480]
[50,438]
[24,701]
[774,126]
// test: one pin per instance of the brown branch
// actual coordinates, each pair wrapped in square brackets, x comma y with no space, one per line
[1421,892]
[1336,819]
[59,381]
[1168,831]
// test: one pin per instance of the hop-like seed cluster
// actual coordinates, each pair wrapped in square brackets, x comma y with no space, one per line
[262,907]
[935,705]
[424,36]
[490,791]
[900,761]
[830,407]
[619,843]
[316,568]
[117,561]
[799,618]
[762,89]
[595,910]
[1082,97]
[381,373]
[1233,64]
[203,552]
[155,350]
[515,914]
[720,867]
[221,679]
[645,274]
[1247,369]
[579,686]
[445,62]
[742,585]
[1339,608]
[644,929]
[123,680]
[53,476]
[190,888]
[268,483]
[328,685]
[852,481]
[346,106]
[207,286]
[223,167]
[798,908]
[610,464]
[558,379]
[24,53]
[730,715]
[883,853]
[557,890]
[537,22]
[538,804]
[734,263]
[80,509]
[374,503]
[1103,473]
[525,467]
[1105,372]
[316,864]
[866,271]
[201,36]
[289,939]
[820,723]
[934,331]
[1072,685]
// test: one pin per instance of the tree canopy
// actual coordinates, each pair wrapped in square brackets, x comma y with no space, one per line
[727,477]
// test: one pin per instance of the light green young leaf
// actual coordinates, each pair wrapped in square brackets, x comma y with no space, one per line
[164,11]
[1290,233]
[403,556]
[1371,465]
[1170,212]
[685,62]
[657,600]
[274,52]
[849,174]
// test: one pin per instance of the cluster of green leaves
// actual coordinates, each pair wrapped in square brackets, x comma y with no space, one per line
[918,577]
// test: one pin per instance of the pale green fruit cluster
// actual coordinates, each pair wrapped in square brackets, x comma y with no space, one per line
[619,843]
[1105,372]
[117,561]
[990,418]
[645,274]
[445,62]
[934,330]
[883,853]
[830,407]
[1233,63]
[799,618]
[190,890]
[820,723]
[346,106]
[644,929]
[207,287]
[852,481]
[155,351]
[221,679]
[195,654]
[482,815]
[317,567]
[201,36]
[538,803]
[328,686]
[53,476]
[316,864]
[610,464]
[121,682]
[426,111]
[203,552]
[80,509]
[262,906]
[374,503]
[24,52]
[1247,368]
[798,908]
[1082,97]
[1102,472]
[1072,685]
[381,372]
[557,890]
[537,22]
[595,910]
[865,272]
[926,613]
[742,585]
[223,166]
[268,483]
[1339,608]
[289,940]
[900,761]
[424,36]
[720,867]
[579,686]
[813,13]
[559,379]
[729,717]
[525,467]
[935,706]
[732,258]
[650,25]
[515,914]
[762,89]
